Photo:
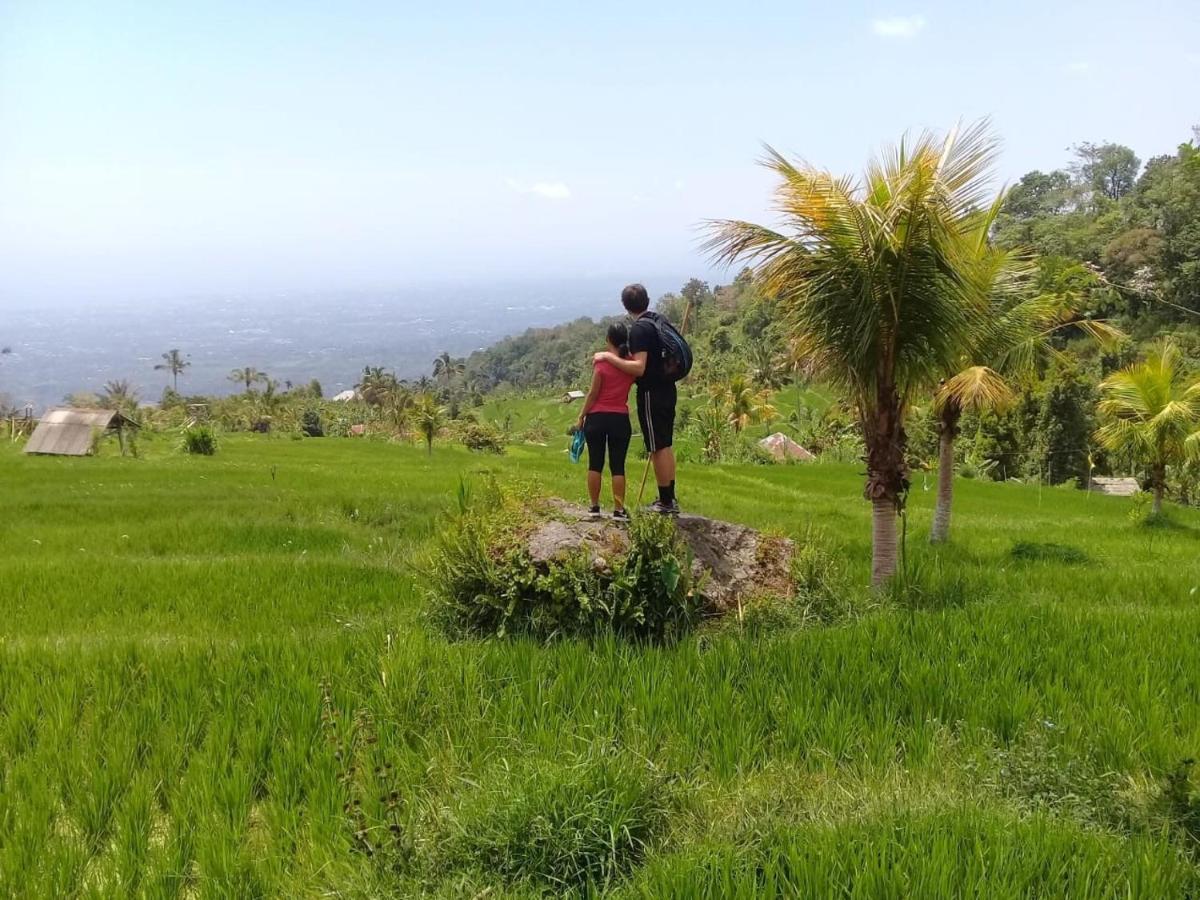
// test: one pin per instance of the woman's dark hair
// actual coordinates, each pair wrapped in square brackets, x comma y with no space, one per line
[618,336]
[635,299]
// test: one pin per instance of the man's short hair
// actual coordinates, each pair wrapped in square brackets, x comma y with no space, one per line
[635,299]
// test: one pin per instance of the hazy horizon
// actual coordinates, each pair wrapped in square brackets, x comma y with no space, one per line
[170,150]
[292,336]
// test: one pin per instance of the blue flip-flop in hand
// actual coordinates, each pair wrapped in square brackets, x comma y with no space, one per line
[577,443]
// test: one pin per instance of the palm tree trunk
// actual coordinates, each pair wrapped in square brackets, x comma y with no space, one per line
[884,552]
[1158,475]
[947,432]
[887,480]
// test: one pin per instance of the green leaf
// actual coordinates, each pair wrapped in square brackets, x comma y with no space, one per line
[670,574]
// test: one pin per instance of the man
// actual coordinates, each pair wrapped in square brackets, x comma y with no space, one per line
[655,394]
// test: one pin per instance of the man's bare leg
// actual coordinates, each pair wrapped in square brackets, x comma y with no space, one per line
[664,466]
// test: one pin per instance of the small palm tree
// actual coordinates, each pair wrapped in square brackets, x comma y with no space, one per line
[119,395]
[398,401]
[248,376]
[173,362]
[880,287]
[1151,415]
[1016,349]
[446,368]
[430,418]
[747,404]
[375,384]
[766,366]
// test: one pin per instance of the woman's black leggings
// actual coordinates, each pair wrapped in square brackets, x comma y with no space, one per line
[611,430]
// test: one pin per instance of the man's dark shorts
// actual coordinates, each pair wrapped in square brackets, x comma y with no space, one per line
[656,415]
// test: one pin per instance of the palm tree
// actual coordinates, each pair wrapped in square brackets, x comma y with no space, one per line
[375,384]
[119,395]
[430,419]
[445,367]
[1015,349]
[976,389]
[766,366]
[173,362]
[747,405]
[248,375]
[398,400]
[879,287]
[1151,416]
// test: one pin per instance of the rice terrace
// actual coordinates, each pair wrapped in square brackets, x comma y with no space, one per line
[607,452]
[217,680]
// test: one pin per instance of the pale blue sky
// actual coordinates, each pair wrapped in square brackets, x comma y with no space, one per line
[156,148]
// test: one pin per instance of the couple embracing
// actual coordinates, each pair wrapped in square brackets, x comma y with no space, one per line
[651,353]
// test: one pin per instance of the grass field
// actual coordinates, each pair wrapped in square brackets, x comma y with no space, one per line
[216,680]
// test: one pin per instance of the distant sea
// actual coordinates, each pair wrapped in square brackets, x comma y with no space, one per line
[60,350]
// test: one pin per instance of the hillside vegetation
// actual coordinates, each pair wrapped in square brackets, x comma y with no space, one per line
[216,680]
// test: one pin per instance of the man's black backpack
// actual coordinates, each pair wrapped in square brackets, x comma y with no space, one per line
[676,354]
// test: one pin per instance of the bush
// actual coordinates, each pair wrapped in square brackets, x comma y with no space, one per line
[580,828]
[482,438]
[310,423]
[199,440]
[488,585]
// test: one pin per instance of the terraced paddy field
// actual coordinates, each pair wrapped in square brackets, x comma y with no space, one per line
[217,680]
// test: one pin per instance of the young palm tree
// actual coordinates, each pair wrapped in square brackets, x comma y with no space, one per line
[375,384]
[119,395]
[173,362]
[398,401]
[445,367]
[747,405]
[1016,349]
[430,419]
[880,287]
[248,375]
[976,389]
[1151,415]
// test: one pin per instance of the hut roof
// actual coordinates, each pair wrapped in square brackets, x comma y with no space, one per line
[782,447]
[68,432]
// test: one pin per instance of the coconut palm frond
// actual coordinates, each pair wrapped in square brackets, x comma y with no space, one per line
[976,388]
[1148,411]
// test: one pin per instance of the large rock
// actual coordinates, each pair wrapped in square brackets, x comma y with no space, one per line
[734,560]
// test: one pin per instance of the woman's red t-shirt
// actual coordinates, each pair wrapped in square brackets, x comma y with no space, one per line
[614,389]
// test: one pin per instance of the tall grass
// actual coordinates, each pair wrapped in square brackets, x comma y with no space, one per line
[216,680]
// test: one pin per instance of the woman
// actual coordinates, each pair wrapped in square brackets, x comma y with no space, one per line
[605,422]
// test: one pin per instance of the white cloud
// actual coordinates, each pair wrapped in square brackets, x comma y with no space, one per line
[898,26]
[551,190]
[1077,67]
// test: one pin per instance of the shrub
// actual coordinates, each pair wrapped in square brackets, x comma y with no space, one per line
[310,423]
[199,440]
[483,438]
[487,584]
[569,828]
[1037,772]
